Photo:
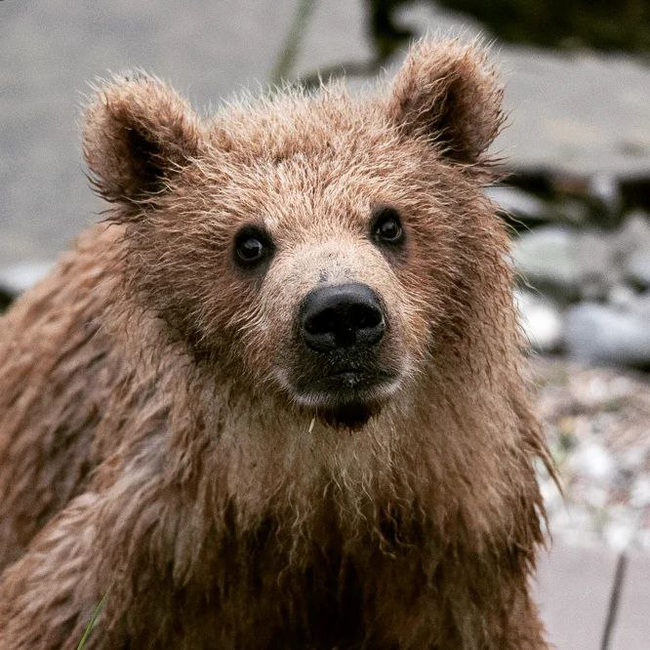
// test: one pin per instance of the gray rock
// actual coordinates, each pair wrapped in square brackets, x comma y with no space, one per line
[597,266]
[635,227]
[603,334]
[583,114]
[605,192]
[641,305]
[518,204]
[528,208]
[546,259]
[632,246]
[637,267]
[571,211]
[19,277]
[565,263]
[622,296]
[541,321]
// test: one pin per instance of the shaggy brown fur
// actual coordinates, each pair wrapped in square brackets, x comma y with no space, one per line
[154,447]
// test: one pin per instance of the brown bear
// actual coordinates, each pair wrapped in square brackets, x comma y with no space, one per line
[277,399]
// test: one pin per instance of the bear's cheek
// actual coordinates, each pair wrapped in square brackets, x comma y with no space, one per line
[263,343]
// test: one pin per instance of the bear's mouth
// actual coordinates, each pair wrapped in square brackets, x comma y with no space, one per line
[346,398]
[351,379]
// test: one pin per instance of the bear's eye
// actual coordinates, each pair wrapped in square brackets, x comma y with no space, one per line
[387,225]
[252,245]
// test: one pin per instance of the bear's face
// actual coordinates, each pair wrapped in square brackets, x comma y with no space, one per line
[308,246]
[320,287]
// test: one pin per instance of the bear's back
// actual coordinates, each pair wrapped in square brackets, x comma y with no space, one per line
[55,380]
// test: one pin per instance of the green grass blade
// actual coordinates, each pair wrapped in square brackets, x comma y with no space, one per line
[91,623]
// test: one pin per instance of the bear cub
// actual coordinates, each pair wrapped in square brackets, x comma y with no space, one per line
[277,399]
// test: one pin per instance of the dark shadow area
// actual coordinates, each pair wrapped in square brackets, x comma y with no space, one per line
[598,24]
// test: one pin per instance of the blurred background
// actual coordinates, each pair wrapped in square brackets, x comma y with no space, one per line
[576,196]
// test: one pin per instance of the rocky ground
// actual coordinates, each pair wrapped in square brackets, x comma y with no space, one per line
[597,422]
[584,286]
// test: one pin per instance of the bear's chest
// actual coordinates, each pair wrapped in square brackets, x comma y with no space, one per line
[274,591]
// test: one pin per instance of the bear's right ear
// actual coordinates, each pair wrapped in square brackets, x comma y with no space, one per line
[137,134]
[449,94]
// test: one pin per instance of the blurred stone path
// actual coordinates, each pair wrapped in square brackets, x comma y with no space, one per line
[581,113]
[574,592]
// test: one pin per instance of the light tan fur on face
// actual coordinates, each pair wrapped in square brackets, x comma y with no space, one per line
[153,445]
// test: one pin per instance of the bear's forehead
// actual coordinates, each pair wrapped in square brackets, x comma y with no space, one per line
[301,186]
[313,145]
[300,162]
[331,126]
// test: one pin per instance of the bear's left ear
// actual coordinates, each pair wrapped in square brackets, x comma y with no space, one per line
[138,133]
[448,93]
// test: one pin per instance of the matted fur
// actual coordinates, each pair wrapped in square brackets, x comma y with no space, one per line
[151,448]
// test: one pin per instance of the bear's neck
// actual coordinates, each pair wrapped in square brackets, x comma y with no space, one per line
[438,456]
[415,458]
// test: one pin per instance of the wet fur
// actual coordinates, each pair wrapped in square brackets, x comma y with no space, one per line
[151,449]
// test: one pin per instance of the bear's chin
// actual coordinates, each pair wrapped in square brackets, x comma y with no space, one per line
[352,416]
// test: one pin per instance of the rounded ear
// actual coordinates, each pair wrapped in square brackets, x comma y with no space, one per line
[448,93]
[138,133]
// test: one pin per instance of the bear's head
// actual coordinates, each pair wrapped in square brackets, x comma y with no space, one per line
[322,249]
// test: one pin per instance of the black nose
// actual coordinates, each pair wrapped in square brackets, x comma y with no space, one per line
[341,316]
